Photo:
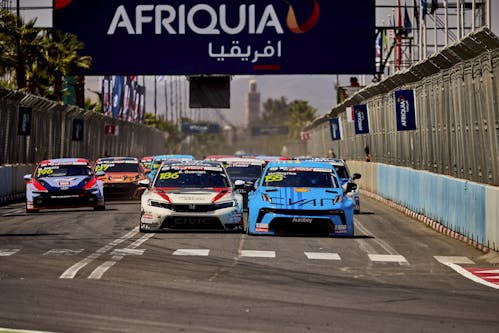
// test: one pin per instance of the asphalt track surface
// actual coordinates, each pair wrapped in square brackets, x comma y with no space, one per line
[83,271]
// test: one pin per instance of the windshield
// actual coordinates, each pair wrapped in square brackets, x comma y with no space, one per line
[117,167]
[62,171]
[342,171]
[191,178]
[246,171]
[299,178]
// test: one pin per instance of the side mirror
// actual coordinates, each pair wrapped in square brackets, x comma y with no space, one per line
[351,187]
[144,182]
[239,184]
[356,176]
[27,177]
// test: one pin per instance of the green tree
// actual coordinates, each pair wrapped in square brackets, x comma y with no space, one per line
[275,111]
[300,114]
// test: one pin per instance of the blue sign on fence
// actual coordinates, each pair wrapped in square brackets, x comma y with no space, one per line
[334,126]
[187,37]
[406,110]
[361,119]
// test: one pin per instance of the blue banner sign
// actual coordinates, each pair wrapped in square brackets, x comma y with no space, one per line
[406,110]
[189,37]
[200,128]
[361,119]
[334,126]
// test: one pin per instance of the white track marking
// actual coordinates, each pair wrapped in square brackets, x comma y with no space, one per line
[73,270]
[118,254]
[257,254]
[8,252]
[62,252]
[191,252]
[387,258]
[322,256]
[453,260]
[384,245]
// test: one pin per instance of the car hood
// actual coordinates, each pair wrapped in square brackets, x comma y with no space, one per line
[301,197]
[194,196]
[70,182]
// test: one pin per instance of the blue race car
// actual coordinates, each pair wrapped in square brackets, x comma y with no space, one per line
[304,198]
[63,183]
[158,159]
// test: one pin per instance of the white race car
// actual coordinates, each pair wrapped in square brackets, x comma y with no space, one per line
[191,195]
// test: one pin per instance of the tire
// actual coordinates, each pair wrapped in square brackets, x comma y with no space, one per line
[99,208]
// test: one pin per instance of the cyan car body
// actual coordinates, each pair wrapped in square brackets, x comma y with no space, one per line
[300,197]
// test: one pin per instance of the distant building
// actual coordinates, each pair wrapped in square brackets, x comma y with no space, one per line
[252,111]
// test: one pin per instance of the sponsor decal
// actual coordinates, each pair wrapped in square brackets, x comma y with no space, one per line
[302,220]
[340,228]
[262,227]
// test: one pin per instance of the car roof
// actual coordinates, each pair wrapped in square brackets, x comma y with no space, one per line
[242,160]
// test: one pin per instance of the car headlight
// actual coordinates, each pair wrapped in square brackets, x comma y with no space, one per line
[338,199]
[159,204]
[265,197]
[227,204]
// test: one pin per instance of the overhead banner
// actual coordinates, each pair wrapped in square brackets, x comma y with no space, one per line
[335,127]
[269,130]
[361,120]
[405,107]
[189,37]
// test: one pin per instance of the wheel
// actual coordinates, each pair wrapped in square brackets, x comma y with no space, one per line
[99,208]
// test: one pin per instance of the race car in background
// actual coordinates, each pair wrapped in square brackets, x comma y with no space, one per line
[191,195]
[121,176]
[247,170]
[146,163]
[158,159]
[294,197]
[63,183]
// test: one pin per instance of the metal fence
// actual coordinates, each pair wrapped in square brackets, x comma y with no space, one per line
[52,133]
[457,96]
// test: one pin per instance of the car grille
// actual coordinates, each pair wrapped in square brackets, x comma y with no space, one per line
[192,222]
[65,198]
[299,212]
[192,208]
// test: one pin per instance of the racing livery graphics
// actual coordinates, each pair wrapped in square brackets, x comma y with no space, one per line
[63,183]
[294,197]
[191,195]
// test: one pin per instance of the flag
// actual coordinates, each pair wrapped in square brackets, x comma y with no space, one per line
[407,22]
[416,13]
[106,96]
[434,6]
[378,44]
[117,96]
[424,6]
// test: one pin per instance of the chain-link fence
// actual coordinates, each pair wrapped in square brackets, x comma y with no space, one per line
[457,93]
[53,130]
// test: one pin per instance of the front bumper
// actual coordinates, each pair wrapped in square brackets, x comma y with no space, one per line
[65,199]
[191,217]
[272,221]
